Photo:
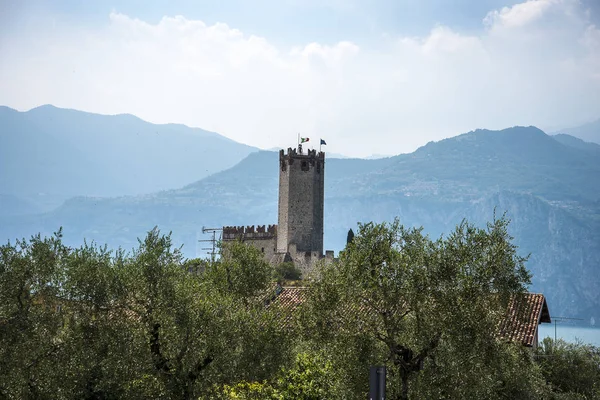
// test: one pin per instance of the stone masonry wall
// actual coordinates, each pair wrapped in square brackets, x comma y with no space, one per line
[298,237]
[301,201]
[282,213]
[261,237]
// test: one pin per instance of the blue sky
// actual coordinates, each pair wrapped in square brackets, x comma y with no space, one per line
[291,20]
[403,72]
[287,21]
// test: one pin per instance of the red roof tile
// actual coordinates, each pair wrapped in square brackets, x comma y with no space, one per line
[288,300]
[525,312]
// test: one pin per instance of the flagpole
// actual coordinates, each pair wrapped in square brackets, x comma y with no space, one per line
[320,145]
[298,139]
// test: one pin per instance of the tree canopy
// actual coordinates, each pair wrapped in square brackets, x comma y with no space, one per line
[90,323]
[93,323]
[572,369]
[426,308]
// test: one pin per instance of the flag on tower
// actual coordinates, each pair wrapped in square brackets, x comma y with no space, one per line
[304,139]
[323,142]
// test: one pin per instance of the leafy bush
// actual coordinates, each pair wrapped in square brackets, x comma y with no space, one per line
[310,378]
[287,271]
[573,369]
[90,323]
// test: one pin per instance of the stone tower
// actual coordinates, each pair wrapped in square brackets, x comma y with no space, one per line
[301,195]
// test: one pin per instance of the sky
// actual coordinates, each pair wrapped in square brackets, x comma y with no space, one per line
[369,77]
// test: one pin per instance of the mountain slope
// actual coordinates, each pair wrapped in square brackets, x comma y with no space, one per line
[572,141]
[589,132]
[550,191]
[65,153]
[520,158]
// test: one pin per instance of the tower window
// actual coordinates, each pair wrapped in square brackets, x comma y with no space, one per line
[262,249]
[304,166]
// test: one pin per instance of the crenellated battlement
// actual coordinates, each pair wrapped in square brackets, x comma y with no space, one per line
[301,197]
[298,153]
[307,160]
[298,235]
[249,232]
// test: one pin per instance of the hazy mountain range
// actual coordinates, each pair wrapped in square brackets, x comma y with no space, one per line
[50,154]
[549,186]
[589,132]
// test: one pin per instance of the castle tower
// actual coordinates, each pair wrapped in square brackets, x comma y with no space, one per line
[301,198]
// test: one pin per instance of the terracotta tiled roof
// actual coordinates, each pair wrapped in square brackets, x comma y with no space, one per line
[292,297]
[525,312]
[287,300]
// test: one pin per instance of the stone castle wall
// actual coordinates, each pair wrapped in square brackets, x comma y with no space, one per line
[261,237]
[301,200]
[268,247]
[306,260]
[249,232]
[298,237]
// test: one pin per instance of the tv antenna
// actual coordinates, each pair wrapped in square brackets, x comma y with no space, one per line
[213,249]
[558,319]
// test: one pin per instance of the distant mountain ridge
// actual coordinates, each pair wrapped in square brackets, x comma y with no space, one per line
[519,158]
[49,154]
[580,144]
[550,191]
[589,132]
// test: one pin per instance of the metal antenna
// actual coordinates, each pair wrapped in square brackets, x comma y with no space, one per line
[213,240]
[563,319]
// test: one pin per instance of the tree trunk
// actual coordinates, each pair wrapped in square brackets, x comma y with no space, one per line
[404,394]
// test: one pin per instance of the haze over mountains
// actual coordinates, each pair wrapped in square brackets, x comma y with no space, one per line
[589,132]
[549,186]
[580,144]
[49,154]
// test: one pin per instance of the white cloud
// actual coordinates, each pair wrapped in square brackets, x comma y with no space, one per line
[443,40]
[521,14]
[537,63]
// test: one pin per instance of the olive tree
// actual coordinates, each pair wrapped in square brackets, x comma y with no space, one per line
[31,274]
[398,298]
[92,323]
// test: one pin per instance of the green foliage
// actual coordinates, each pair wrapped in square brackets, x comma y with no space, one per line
[286,271]
[89,323]
[572,369]
[30,280]
[349,237]
[248,391]
[399,298]
[196,265]
[509,374]
[242,270]
[308,379]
